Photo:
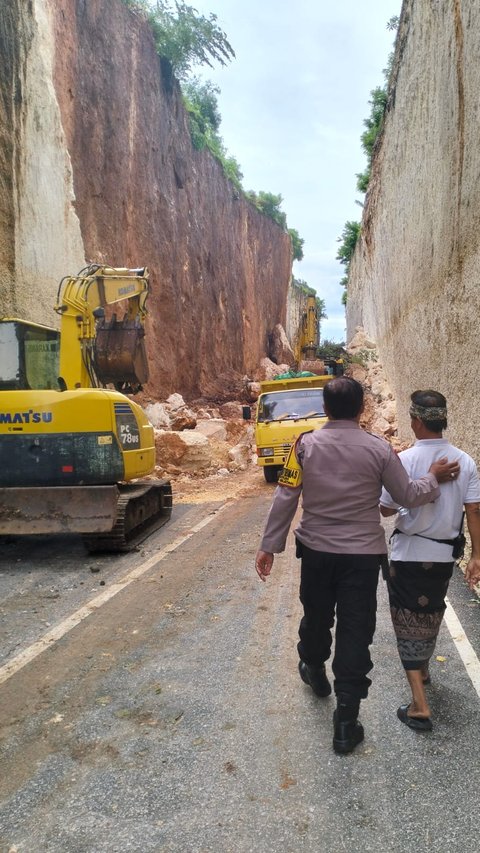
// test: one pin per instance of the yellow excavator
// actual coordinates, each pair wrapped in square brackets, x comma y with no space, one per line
[72,451]
[307,338]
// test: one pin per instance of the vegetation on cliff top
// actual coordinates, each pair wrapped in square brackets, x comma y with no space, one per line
[302,285]
[373,127]
[183,36]
[185,39]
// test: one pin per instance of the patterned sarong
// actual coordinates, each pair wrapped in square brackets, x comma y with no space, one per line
[417,603]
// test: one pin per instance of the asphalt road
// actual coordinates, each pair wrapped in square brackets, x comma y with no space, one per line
[162,710]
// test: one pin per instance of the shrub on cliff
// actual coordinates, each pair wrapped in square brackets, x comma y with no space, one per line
[183,36]
[348,241]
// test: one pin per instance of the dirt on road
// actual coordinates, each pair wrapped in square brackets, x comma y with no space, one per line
[220,487]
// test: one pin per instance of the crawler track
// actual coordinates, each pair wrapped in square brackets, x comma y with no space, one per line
[142,508]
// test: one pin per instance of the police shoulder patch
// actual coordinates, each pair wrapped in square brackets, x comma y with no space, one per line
[291,474]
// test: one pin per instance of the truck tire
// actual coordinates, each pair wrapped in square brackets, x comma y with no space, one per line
[271,472]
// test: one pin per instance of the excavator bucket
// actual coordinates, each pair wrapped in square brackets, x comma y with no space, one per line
[120,355]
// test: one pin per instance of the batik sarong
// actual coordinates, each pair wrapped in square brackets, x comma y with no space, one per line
[417,603]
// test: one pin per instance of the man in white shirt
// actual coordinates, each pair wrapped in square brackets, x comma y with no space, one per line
[422,555]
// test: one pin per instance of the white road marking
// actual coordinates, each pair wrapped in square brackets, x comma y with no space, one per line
[70,622]
[464,649]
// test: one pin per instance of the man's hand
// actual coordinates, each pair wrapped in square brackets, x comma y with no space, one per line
[263,564]
[472,572]
[444,470]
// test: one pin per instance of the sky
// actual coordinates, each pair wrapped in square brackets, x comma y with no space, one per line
[293,102]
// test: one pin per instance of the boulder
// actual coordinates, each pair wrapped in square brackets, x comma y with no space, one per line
[157,415]
[233,409]
[183,419]
[175,402]
[240,456]
[279,347]
[268,370]
[189,451]
[253,391]
[215,429]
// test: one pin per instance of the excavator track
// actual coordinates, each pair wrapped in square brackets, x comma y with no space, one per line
[142,508]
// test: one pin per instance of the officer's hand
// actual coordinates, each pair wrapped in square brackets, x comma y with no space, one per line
[263,564]
[444,470]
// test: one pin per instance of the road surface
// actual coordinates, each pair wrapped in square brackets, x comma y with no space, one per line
[151,702]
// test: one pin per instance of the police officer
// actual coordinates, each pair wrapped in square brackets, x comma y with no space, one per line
[340,470]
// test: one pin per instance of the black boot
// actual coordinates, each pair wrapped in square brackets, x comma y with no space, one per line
[347,731]
[316,678]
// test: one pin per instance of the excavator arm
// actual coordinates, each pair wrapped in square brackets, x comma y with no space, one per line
[97,349]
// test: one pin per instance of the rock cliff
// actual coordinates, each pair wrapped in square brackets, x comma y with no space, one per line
[97,165]
[414,282]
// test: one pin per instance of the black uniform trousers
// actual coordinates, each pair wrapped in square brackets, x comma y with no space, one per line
[345,586]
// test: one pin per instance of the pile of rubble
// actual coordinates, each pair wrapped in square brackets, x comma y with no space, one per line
[200,440]
[380,414]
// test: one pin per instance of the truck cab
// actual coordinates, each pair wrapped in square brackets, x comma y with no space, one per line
[286,408]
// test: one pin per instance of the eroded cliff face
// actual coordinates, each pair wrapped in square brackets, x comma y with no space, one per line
[414,283]
[98,166]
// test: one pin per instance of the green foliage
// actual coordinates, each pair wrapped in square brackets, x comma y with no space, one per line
[363,180]
[269,204]
[374,122]
[183,36]
[301,284]
[185,39]
[297,244]
[365,357]
[309,291]
[202,98]
[321,309]
[330,349]
[348,241]
[201,104]
[373,126]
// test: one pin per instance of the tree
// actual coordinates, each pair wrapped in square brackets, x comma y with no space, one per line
[348,240]
[269,204]
[183,36]
[373,126]
[297,244]
[331,349]
[202,96]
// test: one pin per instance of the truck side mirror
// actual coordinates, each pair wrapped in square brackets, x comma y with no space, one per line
[246,413]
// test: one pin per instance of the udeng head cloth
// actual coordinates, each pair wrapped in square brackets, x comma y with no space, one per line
[428,413]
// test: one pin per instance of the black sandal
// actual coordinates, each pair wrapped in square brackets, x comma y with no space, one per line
[419,724]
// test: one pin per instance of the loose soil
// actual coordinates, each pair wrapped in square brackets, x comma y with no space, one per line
[220,487]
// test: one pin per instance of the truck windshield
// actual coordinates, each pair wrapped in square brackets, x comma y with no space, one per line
[29,356]
[291,405]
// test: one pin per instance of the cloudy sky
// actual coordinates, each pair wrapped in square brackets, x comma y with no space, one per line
[293,103]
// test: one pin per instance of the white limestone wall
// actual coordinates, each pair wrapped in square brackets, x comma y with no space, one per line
[415,277]
[48,241]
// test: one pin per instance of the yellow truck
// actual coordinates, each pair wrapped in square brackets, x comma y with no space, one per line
[285,409]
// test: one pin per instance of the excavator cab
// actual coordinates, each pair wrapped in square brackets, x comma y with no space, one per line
[29,356]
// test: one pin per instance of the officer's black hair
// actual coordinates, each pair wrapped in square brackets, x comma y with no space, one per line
[343,398]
